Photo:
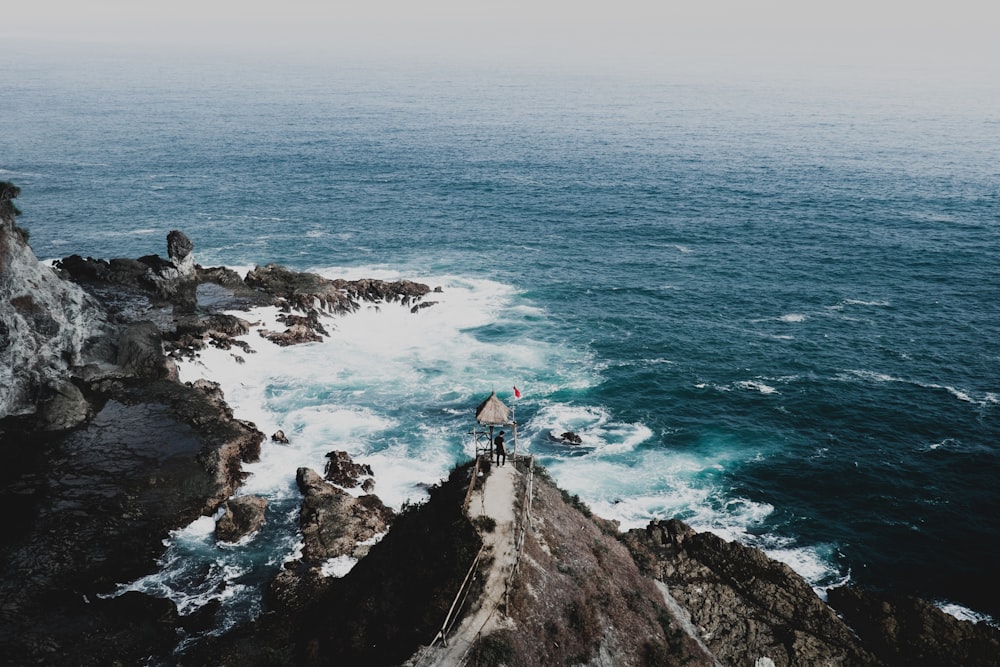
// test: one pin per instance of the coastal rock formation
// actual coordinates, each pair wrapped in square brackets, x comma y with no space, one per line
[105,452]
[179,248]
[241,516]
[49,328]
[910,631]
[333,522]
[89,508]
[343,471]
[745,606]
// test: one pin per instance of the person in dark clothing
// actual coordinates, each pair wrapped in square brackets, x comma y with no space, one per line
[501,452]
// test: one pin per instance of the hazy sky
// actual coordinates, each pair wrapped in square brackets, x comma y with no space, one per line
[945,36]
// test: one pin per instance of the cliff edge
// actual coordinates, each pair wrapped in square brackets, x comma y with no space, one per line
[49,327]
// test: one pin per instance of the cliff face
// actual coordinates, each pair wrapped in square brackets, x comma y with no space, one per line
[48,326]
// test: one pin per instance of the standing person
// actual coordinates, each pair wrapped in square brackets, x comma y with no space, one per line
[501,452]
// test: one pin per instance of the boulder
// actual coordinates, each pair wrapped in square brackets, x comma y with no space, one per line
[343,471]
[179,248]
[241,516]
[62,408]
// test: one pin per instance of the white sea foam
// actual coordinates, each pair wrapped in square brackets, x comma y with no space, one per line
[988,398]
[861,302]
[965,614]
[754,385]
[792,317]
[338,566]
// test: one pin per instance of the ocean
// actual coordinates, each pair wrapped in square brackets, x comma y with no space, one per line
[768,306]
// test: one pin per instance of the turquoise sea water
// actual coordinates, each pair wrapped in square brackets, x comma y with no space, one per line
[770,307]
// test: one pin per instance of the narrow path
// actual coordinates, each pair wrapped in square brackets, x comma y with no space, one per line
[496,500]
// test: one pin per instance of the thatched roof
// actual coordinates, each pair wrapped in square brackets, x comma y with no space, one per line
[493,411]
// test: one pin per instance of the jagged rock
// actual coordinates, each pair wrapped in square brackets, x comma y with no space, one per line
[570,436]
[226,324]
[333,522]
[179,248]
[48,326]
[745,605]
[423,304]
[293,335]
[910,631]
[241,516]
[343,471]
[280,437]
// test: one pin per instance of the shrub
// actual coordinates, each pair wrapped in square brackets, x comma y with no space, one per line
[9,192]
[494,649]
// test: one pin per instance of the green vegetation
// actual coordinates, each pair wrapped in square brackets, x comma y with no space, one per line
[8,193]
[8,211]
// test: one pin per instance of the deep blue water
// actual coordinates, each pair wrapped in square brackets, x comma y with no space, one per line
[784,295]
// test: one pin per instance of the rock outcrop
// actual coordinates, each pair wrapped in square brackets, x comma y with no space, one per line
[334,524]
[909,631]
[343,471]
[105,452]
[241,516]
[744,605]
[89,508]
[49,328]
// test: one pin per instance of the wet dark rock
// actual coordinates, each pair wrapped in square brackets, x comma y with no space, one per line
[203,619]
[280,437]
[570,436]
[307,297]
[63,407]
[126,630]
[343,471]
[293,335]
[423,304]
[905,630]
[94,504]
[241,516]
[140,351]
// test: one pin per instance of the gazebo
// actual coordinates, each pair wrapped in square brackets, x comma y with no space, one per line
[492,413]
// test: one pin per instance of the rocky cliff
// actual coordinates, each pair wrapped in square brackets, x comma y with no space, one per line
[104,452]
[49,328]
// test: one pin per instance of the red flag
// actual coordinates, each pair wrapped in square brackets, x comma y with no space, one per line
[517,394]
